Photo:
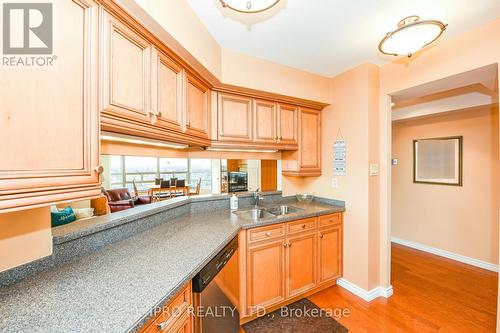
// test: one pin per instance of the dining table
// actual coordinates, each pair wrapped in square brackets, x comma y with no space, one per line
[156,190]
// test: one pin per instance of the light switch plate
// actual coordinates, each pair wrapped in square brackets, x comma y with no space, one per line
[394,161]
[374,169]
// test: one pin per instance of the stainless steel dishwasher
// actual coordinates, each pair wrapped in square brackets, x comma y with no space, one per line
[213,309]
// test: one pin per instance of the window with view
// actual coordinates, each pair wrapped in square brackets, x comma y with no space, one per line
[123,171]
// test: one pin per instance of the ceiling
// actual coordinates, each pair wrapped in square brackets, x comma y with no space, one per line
[330,36]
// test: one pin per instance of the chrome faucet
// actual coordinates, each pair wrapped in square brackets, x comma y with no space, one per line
[257,197]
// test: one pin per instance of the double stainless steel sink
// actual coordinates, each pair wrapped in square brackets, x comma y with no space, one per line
[258,213]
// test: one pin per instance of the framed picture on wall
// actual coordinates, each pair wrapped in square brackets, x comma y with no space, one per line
[438,161]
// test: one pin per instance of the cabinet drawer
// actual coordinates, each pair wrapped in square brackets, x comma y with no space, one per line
[268,232]
[172,313]
[301,225]
[329,220]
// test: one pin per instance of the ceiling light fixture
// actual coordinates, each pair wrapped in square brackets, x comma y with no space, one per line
[108,136]
[411,36]
[249,6]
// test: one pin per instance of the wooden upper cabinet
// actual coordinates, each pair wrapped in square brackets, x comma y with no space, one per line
[265,122]
[310,136]
[126,71]
[330,254]
[197,107]
[166,88]
[49,118]
[266,274]
[301,263]
[234,114]
[287,124]
[306,161]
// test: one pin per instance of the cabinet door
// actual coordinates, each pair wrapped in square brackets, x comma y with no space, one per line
[197,111]
[234,118]
[265,122]
[310,140]
[330,254]
[49,117]
[301,264]
[266,274]
[287,124]
[126,71]
[166,90]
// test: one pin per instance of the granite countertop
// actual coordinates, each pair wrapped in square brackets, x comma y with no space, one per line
[116,288]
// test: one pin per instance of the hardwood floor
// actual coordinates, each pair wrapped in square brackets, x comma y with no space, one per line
[431,294]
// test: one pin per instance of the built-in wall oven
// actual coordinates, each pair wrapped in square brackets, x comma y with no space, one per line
[237,181]
[213,308]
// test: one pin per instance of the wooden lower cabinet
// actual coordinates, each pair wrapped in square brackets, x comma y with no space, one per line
[175,316]
[330,254]
[266,274]
[283,262]
[301,264]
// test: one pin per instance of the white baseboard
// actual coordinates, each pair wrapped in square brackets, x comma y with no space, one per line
[447,254]
[367,295]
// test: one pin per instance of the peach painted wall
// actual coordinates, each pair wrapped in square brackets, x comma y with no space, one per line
[476,48]
[353,110]
[462,220]
[247,71]
[24,236]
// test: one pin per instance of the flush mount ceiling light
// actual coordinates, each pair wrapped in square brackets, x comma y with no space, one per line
[249,6]
[411,36]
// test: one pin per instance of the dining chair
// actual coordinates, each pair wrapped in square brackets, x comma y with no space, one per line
[197,189]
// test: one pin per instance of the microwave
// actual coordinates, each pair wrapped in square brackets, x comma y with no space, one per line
[237,181]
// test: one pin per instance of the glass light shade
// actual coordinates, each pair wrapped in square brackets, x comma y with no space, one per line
[249,6]
[411,36]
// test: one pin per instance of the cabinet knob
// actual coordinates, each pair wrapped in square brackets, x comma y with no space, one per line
[303,226]
[320,235]
[276,139]
[281,138]
[268,234]
[289,244]
[159,114]
[221,134]
[285,244]
[99,169]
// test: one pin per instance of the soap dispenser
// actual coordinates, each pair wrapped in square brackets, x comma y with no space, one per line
[234,202]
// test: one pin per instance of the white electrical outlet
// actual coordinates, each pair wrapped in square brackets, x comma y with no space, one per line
[335,183]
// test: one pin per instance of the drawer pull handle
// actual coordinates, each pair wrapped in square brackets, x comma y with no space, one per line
[163,325]
[268,233]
